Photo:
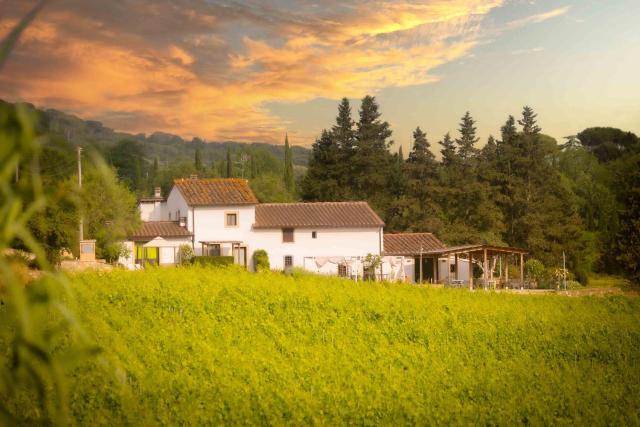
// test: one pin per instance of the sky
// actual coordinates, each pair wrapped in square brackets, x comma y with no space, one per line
[252,70]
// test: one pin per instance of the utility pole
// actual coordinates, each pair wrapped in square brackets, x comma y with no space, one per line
[564,271]
[421,263]
[81,235]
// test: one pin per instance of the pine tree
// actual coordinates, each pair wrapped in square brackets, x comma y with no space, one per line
[342,131]
[229,164]
[372,162]
[528,122]
[448,150]
[421,171]
[509,130]
[467,141]
[421,154]
[321,181]
[288,177]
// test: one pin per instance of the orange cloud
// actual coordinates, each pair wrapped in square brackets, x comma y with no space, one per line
[203,77]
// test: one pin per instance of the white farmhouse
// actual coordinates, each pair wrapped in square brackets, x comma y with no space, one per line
[223,217]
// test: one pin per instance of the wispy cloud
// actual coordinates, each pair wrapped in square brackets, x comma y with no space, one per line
[538,18]
[527,51]
[208,68]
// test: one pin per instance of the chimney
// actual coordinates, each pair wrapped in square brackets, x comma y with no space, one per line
[157,192]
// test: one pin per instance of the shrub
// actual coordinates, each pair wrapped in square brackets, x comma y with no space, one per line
[112,252]
[213,260]
[185,254]
[261,260]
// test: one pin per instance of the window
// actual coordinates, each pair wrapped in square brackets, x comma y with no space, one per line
[231,219]
[314,234]
[452,268]
[214,250]
[288,261]
[287,235]
[342,270]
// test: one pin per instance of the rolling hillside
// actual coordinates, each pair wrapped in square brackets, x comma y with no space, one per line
[166,147]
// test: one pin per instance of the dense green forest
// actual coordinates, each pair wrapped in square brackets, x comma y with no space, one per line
[522,188]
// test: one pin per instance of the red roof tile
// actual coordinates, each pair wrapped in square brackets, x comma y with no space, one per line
[151,229]
[216,191]
[411,243]
[321,215]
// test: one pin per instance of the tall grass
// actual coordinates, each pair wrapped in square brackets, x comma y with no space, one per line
[208,346]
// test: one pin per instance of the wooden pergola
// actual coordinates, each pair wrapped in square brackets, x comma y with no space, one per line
[484,255]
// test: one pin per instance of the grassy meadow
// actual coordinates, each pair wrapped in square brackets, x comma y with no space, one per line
[211,346]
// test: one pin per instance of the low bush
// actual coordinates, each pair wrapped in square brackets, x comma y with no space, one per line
[261,260]
[218,261]
[185,254]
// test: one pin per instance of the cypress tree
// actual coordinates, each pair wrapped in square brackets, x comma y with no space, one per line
[229,164]
[198,159]
[288,177]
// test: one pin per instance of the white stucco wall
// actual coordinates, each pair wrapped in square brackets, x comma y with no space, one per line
[210,225]
[153,211]
[175,204]
[354,242]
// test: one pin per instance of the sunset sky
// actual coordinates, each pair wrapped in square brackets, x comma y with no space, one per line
[251,70]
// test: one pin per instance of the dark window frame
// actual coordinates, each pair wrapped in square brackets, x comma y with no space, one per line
[288,235]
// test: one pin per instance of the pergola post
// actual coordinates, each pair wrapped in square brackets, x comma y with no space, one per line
[455,257]
[506,270]
[470,271]
[448,269]
[522,271]
[435,268]
[485,277]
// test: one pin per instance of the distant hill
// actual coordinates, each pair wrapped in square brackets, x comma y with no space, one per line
[163,146]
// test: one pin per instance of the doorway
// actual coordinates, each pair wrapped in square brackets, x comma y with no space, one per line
[427,270]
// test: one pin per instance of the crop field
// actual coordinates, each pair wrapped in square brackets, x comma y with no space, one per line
[211,346]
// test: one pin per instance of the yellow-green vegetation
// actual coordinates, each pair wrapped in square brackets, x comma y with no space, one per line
[603,281]
[201,345]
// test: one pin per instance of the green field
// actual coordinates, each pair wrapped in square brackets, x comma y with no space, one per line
[207,346]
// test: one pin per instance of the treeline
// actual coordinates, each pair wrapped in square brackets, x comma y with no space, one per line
[521,189]
[271,178]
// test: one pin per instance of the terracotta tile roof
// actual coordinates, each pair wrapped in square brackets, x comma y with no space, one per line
[410,243]
[151,199]
[150,229]
[216,191]
[321,215]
